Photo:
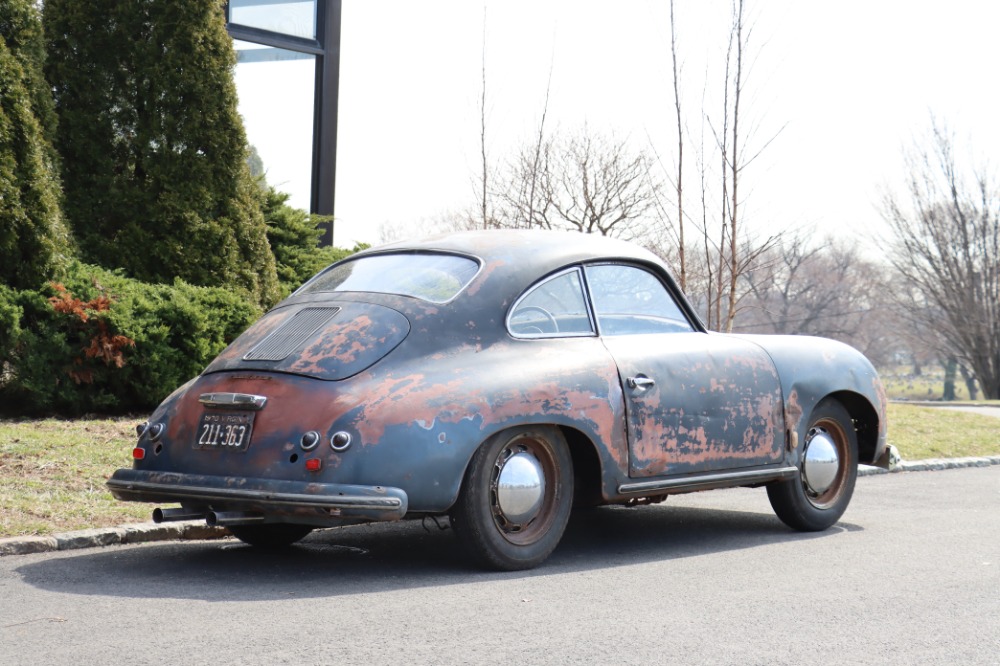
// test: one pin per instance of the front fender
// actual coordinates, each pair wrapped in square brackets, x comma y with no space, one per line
[811,369]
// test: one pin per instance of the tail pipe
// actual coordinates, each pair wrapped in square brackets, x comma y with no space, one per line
[224,518]
[171,515]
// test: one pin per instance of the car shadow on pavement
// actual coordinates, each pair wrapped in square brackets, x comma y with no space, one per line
[388,556]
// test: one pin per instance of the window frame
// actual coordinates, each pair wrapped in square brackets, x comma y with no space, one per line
[584,293]
[679,303]
[683,308]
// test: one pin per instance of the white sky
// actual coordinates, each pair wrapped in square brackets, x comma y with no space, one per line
[852,82]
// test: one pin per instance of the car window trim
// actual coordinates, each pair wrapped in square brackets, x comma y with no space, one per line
[578,269]
[376,253]
[679,303]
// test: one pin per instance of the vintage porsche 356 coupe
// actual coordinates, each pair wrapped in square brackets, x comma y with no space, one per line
[499,378]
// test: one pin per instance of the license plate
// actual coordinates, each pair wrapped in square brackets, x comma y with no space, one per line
[225,431]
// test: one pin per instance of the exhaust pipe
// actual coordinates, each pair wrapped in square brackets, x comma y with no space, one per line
[171,515]
[223,518]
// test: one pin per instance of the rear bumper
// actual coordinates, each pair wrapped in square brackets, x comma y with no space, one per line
[334,501]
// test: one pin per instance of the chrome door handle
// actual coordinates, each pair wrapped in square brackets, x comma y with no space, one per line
[641,382]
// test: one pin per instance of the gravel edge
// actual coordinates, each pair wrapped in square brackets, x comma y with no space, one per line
[197,530]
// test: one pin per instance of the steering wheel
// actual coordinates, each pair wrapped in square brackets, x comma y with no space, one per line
[545,313]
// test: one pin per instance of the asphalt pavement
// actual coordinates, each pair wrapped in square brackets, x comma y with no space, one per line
[911,575]
[198,530]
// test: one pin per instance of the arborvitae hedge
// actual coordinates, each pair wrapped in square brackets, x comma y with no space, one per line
[154,153]
[33,238]
[21,28]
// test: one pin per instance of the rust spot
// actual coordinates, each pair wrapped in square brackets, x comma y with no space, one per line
[793,411]
[484,275]
[707,415]
[343,343]
[450,396]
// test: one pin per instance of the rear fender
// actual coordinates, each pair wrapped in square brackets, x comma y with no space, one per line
[434,420]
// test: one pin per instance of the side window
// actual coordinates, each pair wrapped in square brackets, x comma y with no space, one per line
[630,301]
[555,307]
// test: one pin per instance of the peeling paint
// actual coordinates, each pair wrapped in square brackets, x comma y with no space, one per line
[715,405]
[793,411]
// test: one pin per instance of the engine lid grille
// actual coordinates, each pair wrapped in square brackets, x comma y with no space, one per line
[291,335]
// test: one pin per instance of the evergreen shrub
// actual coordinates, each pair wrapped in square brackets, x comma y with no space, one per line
[33,239]
[293,235]
[100,342]
[152,145]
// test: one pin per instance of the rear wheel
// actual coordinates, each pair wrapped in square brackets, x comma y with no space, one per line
[516,498]
[272,535]
[828,469]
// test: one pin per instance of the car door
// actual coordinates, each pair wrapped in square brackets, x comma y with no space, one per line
[695,401]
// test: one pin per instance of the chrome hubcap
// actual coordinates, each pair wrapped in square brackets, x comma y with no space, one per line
[520,489]
[821,461]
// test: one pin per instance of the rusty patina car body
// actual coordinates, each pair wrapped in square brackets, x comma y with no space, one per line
[496,377]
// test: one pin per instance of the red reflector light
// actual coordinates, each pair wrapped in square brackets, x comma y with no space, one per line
[138,453]
[314,464]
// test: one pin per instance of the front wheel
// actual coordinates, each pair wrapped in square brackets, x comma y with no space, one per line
[828,469]
[516,498]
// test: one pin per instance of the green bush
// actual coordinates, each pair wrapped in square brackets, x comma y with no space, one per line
[101,342]
[293,235]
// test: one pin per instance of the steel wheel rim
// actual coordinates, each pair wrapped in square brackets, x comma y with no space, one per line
[529,520]
[828,434]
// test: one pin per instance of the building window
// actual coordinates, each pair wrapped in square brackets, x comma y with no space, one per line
[287,78]
[277,101]
[287,17]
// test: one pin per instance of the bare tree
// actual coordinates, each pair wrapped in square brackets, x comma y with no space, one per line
[484,179]
[738,253]
[523,196]
[738,36]
[679,182]
[595,183]
[541,150]
[727,250]
[583,182]
[946,244]
[827,289]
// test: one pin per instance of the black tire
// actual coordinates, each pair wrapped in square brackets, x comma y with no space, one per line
[493,538]
[796,502]
[271,535]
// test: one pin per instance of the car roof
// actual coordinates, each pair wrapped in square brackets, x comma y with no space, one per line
[533,252]
[514,259]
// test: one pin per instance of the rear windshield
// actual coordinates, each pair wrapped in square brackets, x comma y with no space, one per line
[432,277]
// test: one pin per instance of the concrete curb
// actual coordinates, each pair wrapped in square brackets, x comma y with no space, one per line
[109,536]
[931,465]
[942,403]
[197,530]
